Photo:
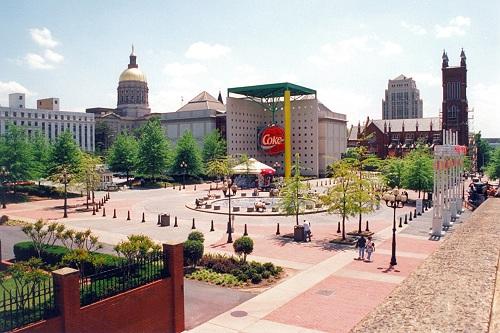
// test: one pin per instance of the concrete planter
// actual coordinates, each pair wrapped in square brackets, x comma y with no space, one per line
[236,209]
[275,209]
[207,206]
[250,209]
[216,207]
[243,194]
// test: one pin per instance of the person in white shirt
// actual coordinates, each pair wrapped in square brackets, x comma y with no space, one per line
[307,231]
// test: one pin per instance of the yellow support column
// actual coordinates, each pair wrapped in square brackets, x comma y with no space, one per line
[288,134]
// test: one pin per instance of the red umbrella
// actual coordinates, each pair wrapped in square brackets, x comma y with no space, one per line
[266,172]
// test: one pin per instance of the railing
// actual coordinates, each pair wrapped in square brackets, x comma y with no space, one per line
[22,306]
[127,276]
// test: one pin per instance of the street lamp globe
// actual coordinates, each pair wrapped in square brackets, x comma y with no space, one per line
[395,199]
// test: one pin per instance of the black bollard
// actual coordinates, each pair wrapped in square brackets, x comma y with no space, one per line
[93,209]
[128,215]
[367,228]
[193,226]
[114,213]
[143,218]
[158,223]
[245,233]
[103,212]
[400,222]
[195,187]
[277,228]
[212,226]
[179,187]
[175,222]
[321,183]
[411,217]
[415,213]
[229,234]
[317,184]
[338,228]
[174,187]
[406,218]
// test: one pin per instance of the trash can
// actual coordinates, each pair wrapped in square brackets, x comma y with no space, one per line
[165,220]
[298,233]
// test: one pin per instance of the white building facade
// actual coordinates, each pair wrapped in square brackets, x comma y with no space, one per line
[49,122]
[402,99]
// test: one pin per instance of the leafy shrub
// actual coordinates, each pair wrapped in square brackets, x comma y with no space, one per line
[53,256]
[196,236]
[266,275]
[208,275]
[256,278]
[243,245]
[193,251]
[219,263]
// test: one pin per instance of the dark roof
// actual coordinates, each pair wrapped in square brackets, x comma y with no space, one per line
[272,90]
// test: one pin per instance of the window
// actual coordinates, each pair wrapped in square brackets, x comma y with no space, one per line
[20,98]
[452,112]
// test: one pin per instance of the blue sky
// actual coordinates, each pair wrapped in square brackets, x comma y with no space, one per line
[346,50]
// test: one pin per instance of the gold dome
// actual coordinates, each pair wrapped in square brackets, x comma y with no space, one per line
[132,74]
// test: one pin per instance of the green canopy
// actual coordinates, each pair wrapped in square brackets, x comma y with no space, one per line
[272,90]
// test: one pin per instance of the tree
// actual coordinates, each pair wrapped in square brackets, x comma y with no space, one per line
[193,251]
[65,154]
[484,150]
[418,172]
[88,175]
[219,167]
[136,247]
[39,235]
[27,277]
[154,149]
[493,168]
[16,154]
[103,136]
[342,198]
[243,246]
[392,172]
[197,236]
[187,151]
[40,148]
[123,154]
[214,146]
[294,193]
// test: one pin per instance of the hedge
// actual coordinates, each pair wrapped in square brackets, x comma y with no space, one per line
[52,255]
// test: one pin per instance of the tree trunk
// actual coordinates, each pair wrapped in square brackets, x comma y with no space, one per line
[419,194]
[343,227]
[128,184]
[359,224]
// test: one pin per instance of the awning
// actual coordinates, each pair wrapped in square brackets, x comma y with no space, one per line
[252,167]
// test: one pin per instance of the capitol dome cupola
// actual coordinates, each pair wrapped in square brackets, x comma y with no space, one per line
[132,88]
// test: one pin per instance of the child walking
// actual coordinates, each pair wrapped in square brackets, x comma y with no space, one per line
[370,248]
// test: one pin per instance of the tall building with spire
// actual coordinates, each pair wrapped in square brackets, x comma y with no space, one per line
[455,106]
[402,99]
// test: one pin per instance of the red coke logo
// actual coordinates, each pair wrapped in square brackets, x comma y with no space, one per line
[272,140]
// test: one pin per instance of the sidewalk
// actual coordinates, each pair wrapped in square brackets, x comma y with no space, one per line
[332,295]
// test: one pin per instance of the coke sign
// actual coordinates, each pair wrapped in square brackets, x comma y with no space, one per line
[272,140]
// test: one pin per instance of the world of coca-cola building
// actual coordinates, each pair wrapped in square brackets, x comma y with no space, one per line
[256,126]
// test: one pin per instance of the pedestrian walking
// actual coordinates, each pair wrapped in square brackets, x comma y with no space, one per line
[361,244]
[370,248]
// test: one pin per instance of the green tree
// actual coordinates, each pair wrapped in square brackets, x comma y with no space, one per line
[343,196]
[243,246]
[219,167]
[418,172]
[193,251]
[493,168]
[154,148]
[187,151]
[27,277]
[484,150]
[136,247]
[392,172]
[197,236]
[88,176]
[40,147]
[16,154]
[123,154]
[294,193]
[214,146]
[65,154]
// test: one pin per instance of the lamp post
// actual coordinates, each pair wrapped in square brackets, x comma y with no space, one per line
[4,173]
[184,167]
[229,226]
[395,200]
[64,178]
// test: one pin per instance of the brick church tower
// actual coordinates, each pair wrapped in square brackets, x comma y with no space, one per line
[454,107]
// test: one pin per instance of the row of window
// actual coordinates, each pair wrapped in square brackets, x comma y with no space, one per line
[49,116]
[453,90]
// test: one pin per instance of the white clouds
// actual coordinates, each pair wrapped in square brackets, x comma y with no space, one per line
[414,28]
[457,26]
[355,104]
[36,61]
[53,56]
[348,50]
[427,78]
[10,87]
[48,58]
[205,51]
[43,37]
[178,69]
[389,49]
[480,98]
